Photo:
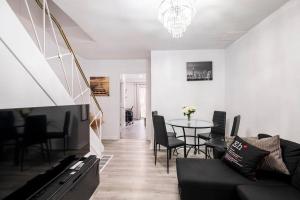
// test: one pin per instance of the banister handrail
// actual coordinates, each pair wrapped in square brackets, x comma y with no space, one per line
[62,33]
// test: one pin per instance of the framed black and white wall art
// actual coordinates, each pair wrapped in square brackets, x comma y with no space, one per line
[199,71]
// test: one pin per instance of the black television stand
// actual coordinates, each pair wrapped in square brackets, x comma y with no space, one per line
[70,180]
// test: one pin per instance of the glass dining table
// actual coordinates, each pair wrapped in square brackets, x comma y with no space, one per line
[193,124]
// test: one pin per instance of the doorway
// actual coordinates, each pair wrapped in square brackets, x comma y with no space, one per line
[133,106]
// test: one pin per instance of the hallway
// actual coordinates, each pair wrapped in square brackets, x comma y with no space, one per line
[137,130]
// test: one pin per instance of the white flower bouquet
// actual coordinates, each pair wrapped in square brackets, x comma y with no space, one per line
[188,110]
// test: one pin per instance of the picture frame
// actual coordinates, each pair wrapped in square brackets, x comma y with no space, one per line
[100,85]
[199,71]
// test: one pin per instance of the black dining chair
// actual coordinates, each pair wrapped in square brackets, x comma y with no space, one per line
[8,133]
[161,138]
[7,127]
[129,116]
[218,130]
[235,126]
[170,134]
[218,144]
[219,120]
[61,134]
[35,129]
[154,142]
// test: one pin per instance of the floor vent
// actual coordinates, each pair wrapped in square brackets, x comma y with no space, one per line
[104,160]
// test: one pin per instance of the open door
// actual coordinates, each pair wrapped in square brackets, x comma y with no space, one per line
[133,106]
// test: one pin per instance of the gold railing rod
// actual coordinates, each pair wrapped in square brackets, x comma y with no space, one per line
[62,33]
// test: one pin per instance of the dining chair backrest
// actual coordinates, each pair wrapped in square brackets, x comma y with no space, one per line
[67,123]
[160,130]
[6,119]
[235,126]
[7,127]
[219,120]
[35,130]
[154,113]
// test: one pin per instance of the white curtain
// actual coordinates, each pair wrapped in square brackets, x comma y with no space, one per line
[141,101]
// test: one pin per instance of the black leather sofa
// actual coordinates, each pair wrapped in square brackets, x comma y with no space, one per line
[214,180]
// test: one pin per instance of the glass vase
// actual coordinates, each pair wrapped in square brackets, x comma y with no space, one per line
[189,117]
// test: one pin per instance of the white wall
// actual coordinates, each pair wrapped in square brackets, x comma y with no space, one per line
[111,105]
[171,91]
[263,75]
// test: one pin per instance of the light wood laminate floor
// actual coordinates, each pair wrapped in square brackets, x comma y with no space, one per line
[132,175]
[137,130]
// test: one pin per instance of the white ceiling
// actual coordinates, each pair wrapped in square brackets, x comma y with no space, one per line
[129,29]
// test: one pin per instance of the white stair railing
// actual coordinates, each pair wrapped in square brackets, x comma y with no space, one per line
[72,76]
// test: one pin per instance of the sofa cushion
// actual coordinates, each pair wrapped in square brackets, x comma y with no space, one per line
[290,153]
[210,173]
[244,157]
[266,192]
[296,177]
[211,179]
[273,161]
[275,176]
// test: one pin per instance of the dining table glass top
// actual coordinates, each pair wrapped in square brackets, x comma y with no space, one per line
[193,123]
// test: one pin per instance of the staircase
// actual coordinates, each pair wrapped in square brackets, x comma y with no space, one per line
[38,42]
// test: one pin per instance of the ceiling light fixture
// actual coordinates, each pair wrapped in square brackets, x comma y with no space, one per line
[176,15]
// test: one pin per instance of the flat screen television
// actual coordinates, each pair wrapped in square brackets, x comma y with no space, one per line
[33,140]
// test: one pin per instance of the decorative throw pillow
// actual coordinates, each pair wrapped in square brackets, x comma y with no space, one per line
[229,140]
[244,157]
[273,161]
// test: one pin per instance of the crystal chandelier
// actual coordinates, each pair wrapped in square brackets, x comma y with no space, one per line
[176,15]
